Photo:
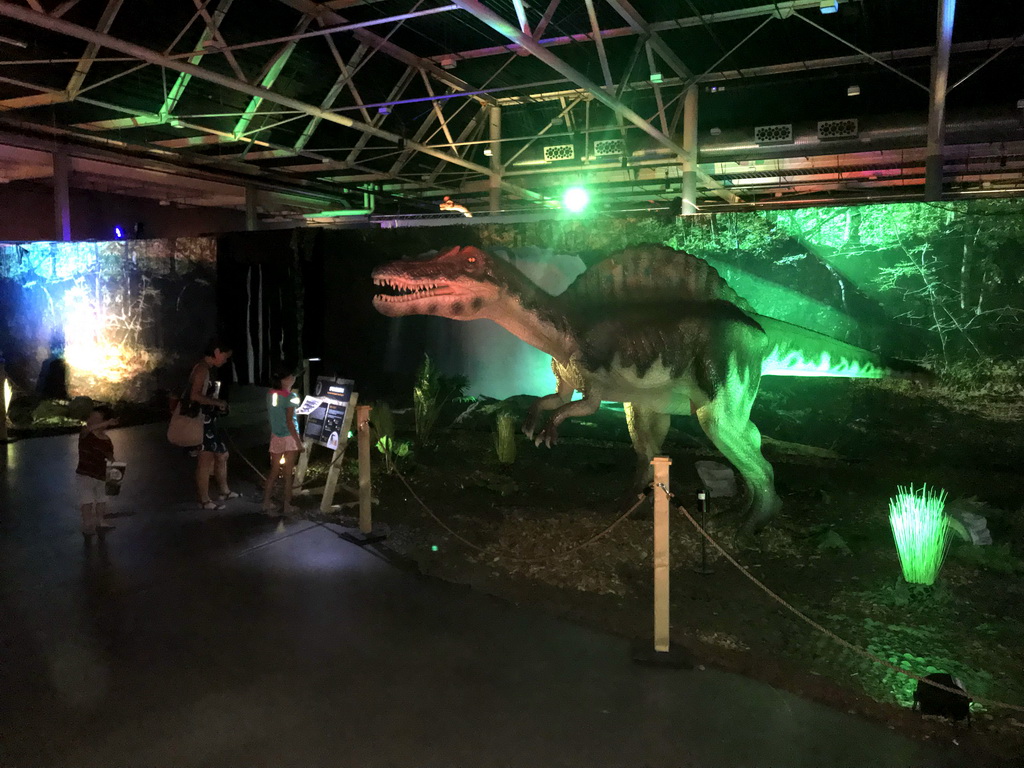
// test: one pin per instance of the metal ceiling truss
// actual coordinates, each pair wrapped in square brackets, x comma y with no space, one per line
[443,153]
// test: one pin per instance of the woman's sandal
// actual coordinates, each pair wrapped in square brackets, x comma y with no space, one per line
[230,495]
[210,505]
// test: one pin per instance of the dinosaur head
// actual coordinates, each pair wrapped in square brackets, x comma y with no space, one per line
[461,283]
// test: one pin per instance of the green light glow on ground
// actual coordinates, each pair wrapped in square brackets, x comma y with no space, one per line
[920,529]
[785,361]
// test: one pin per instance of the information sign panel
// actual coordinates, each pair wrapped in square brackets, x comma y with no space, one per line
[324,422]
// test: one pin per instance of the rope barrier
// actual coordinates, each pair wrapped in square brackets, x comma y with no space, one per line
[508,555]
[832,635]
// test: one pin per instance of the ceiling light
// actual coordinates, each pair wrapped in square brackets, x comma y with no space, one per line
[656,77]
[448,62]
[716,88]
[488,152]
[716,131]
[853,90]
[383,110]
[828,6]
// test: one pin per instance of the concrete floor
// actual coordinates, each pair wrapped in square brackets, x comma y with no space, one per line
[228,639]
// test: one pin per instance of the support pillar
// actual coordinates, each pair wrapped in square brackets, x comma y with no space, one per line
[494,197]
[61,196]
[690,145]
[937,108]
[252,222]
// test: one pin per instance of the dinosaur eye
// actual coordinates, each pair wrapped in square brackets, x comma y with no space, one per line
[471,259]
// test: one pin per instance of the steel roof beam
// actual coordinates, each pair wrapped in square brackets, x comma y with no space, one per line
[271,71]
[503,27]
[403,83]
[106,20]
[217,37]
[937,102]
[642,28]
[326,16]
[344,78]
[595,33]
[781,8]
[63,27]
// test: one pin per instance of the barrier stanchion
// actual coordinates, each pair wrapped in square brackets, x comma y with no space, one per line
[663,653]
[702,508]
[365,535]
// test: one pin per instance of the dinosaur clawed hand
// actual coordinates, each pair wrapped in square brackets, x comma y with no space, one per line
[529,427]
[547,436]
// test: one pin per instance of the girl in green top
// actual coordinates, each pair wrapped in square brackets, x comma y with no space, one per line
[285,444]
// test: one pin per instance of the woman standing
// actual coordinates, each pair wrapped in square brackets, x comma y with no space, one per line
[213,454]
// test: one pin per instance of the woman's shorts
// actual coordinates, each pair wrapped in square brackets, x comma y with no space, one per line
[91,490]
[279,445]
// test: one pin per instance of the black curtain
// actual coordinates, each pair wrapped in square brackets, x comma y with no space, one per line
[259,290]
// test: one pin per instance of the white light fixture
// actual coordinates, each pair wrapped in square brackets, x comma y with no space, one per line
[656,77]
[1020,103]
[853,90]
[716,131]
[828,6]
[488,152]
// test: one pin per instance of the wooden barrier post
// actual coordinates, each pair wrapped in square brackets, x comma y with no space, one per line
[661,554]
[366,534]
[334,472]
[363,434]
[663,653]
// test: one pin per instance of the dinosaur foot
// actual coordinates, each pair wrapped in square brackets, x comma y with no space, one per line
[547,436]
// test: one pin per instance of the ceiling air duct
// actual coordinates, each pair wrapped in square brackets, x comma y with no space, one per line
[559,152]
[837,129]
[773,134]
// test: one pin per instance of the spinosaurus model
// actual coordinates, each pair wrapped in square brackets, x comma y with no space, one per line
[654,328]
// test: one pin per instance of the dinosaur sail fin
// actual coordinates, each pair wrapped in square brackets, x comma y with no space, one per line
[796,351]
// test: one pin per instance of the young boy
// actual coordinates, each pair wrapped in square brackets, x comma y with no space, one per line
[285,443]
[95,449]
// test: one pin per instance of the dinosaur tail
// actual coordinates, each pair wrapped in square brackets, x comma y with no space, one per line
[796,351]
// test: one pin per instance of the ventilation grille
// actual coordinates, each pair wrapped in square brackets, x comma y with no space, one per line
[837,129]
[773,134]
[608,147]
[559,152]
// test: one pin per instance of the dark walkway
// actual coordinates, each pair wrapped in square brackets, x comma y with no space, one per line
[226,639]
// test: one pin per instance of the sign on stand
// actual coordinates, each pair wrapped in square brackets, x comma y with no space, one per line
[330,411]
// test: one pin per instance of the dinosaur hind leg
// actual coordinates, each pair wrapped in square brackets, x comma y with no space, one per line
[725,419]
[647,430]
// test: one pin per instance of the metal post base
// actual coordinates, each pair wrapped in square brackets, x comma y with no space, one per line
[676,657]
[362,539]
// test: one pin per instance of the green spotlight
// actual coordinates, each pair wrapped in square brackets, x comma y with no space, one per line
[575,199]
[921,531]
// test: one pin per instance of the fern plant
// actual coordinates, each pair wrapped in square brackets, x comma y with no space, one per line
[390,448]
[430,394]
